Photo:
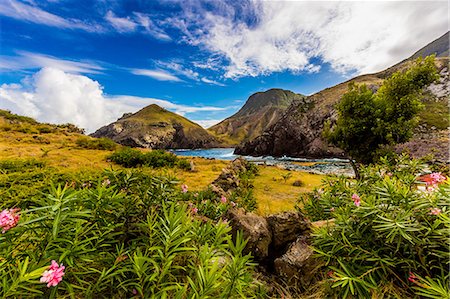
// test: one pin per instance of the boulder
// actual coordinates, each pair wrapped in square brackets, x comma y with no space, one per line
[286,227]
[255,229]
[297,263]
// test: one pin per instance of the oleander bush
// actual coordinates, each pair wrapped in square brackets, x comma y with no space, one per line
[120,234]
[389,237]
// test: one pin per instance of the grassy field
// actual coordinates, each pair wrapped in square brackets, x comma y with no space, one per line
[59,149]
[274,194]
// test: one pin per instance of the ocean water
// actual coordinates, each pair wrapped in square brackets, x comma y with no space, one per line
[319,166]
[210,153]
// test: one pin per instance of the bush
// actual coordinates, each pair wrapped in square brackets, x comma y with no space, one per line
[114,243]
[129,157]
[96,143]
[390,234]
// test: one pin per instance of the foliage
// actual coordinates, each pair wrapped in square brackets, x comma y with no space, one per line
[389,237]
[96,143]
[121,234]
[129,157]
[368,121]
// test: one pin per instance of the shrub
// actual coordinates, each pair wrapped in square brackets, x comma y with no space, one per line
[389,237]
[129,157]
[96,143]
[14,165]
[368,121]
[116,244]
[184,164]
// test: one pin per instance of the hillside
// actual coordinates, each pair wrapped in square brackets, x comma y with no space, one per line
[298,133]
[155,127]
[260,111]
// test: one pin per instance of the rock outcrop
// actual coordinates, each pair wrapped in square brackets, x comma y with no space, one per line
[255,230]
[229,179]
[279,243]
[157,128]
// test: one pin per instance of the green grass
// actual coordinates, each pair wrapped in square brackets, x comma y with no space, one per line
[435,114]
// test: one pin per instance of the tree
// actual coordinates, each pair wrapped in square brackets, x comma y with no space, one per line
[370,121]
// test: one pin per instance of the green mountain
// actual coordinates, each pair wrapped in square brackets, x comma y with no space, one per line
[155,127]
[261,110]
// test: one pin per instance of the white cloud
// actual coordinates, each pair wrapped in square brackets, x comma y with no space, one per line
[120,24]
[213,82]
[150,27]
[31,13]
[27,61]
[54,96]
[261,37]
[160,75]
[208,123]
[179,69]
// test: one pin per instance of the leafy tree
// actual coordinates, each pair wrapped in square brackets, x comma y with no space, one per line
[369,121]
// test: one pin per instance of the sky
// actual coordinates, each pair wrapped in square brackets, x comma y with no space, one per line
[88,62]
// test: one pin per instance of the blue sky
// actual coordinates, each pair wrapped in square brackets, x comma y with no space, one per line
[88,62]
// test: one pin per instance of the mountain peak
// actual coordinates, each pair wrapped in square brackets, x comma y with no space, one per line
[156,127]
[261,110]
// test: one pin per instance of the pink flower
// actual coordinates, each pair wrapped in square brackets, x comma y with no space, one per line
[106,182]
[412,277]
[435,211]
[194,210]
[184,188]
[233,204]
[389,174]
[432,180]
[356,199]
[9,219]
[223,199]
[53,275]
[134,291]
[332,209]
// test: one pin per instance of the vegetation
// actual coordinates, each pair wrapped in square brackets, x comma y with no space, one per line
[389,233]
[118,234]
[129,157]
[368,120]
[96,143]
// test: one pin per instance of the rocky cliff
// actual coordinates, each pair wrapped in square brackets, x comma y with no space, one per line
[298,132]
[155,127]
[261,110]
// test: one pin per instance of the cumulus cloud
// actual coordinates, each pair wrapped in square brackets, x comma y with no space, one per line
[52,95]
[261,37]
[28,60]
[31,13]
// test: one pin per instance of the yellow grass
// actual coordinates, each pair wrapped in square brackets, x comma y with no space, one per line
[60,151]
[275,195]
